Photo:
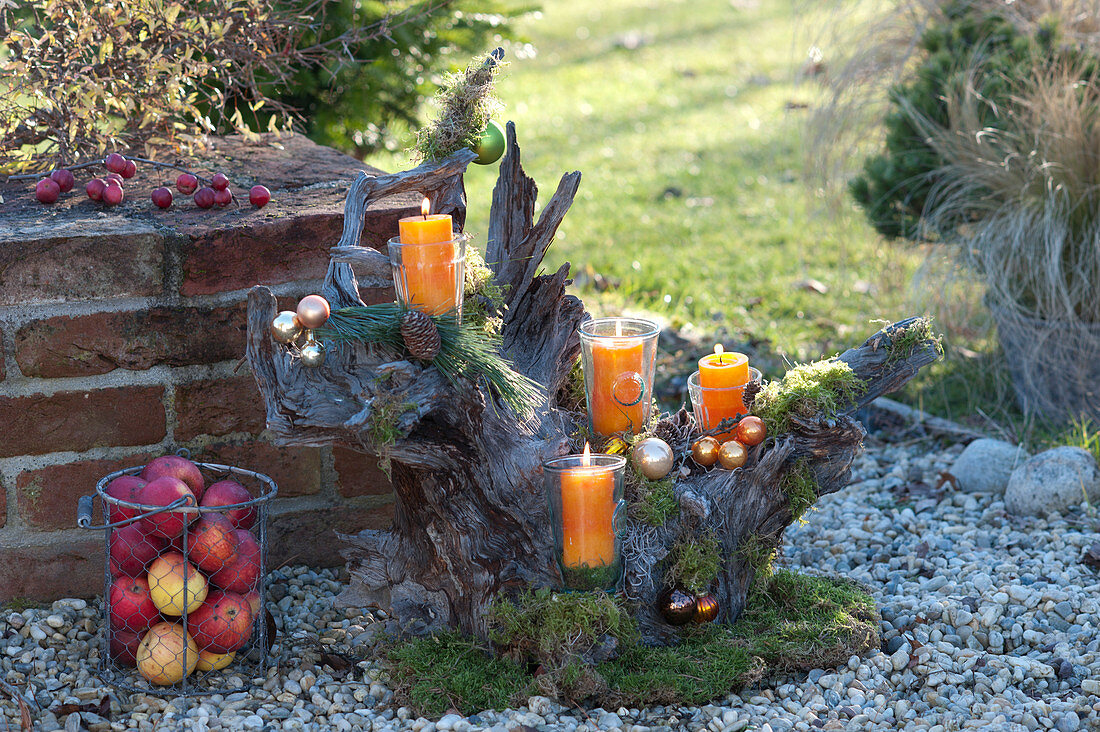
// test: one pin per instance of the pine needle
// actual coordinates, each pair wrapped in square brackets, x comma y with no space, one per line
[466,354]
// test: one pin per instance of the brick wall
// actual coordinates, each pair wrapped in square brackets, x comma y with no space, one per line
[121,338]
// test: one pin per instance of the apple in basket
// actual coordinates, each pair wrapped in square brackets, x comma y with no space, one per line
[131,550]
[162,492]
[212,542]
[167,654]
[123,488]
[176,467]
[223,623]
[242,573]
[124,645]
[226,493]
[175,585]
[131,605]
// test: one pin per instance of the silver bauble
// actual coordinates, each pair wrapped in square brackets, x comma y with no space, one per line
[653,458]
[312,354]
[285,327]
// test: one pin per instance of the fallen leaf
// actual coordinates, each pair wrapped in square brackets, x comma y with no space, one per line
[812,285]
[1092,556]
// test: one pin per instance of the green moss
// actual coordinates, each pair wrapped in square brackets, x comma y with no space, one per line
[801,488]
[759,552]
[449,670]
[382,428]
[553,627]
[587,579]
[483,298]
[791,622]
[694,562]
[795,621]
[709,664]
[819,389]
[656,504]
[904,341]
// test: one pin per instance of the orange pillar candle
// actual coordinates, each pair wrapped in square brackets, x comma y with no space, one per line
[428,260]
[723,371]
[617,389]
[587,515]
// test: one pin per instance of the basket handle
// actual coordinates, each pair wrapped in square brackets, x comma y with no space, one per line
[84,513]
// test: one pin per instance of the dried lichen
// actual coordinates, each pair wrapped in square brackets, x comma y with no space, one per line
[694,562]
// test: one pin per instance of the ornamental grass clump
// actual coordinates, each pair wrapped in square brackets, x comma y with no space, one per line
[1019,205]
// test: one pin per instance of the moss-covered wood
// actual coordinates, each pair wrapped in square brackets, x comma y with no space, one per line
[582,648]
[471,520]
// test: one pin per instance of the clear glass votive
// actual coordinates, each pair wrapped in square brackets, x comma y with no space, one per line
[585,493]
[618,356]
[431,277]
[711,406]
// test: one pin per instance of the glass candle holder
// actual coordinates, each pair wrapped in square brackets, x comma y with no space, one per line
[585,493]
[618,356]
[711,406]
[430,277]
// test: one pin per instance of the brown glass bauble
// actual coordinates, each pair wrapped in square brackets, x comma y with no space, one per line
[676,605]
[704,451]
[732,455]
[751,431]
[706,608]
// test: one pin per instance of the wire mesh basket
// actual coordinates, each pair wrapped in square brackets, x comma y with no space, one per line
[184,568]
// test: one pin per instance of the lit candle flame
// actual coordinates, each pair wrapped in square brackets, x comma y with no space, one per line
[719,350]
[425,207]
[586,458]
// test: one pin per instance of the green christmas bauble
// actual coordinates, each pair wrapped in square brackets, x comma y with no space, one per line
[491,145]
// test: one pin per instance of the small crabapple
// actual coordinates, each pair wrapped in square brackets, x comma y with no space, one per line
[162,197]
[223,197]
[259,196]
[115,163]
[130,170]
[219,182]
[186,183]
[46,191]
[204,197]
[94,188]
[112,195]
[64,179]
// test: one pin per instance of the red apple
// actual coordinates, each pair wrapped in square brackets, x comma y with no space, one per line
[212,542]
[241,574]
[131,605]
[227,493]
[161,492]
[177,467]
[255,602]
[124,645]
[123,488]
[222,624]
[131,550]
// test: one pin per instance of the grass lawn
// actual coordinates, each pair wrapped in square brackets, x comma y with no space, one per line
[686,119]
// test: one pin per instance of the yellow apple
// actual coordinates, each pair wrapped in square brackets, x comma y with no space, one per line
[211,661]
[167,654]
[175,585]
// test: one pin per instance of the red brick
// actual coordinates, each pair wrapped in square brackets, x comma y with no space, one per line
[47,497]
[309,537]
[79,420]
[218,407]
[358,474]
[136,340]
[51,261]
[58,569]
[296,470]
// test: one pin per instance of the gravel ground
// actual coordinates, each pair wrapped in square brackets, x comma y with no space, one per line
[989,622]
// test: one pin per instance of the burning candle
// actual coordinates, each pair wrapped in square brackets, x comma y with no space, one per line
[429,261]
[720,373]
[587,514]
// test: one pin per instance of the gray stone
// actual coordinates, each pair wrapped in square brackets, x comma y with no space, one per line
[448,721]
[985,466]
[1053,481]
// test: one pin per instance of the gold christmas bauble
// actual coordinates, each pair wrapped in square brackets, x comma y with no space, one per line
[751,431]
[313,311]
[706,608]
[285,328]
[653,457]
[704,451]
[313,354]
[732,455]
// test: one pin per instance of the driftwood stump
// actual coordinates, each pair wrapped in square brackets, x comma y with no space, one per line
[471,518]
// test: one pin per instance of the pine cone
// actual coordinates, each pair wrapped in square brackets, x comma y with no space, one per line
[420,334]
[748,396]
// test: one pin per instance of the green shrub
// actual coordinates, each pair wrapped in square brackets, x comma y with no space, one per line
[967,43]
